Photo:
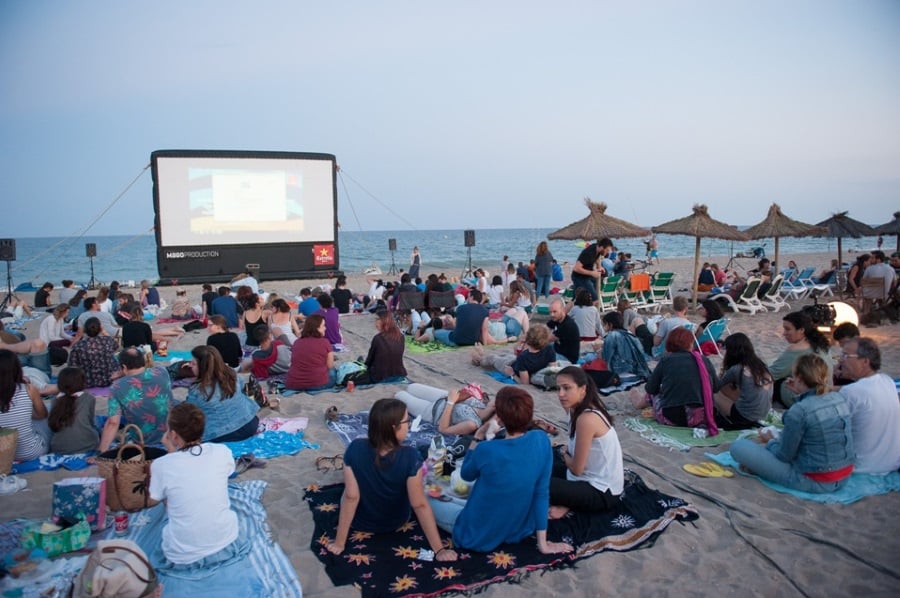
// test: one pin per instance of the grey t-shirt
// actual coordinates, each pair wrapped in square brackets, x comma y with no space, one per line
[754,401]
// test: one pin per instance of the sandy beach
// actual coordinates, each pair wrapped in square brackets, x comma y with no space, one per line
[748,539]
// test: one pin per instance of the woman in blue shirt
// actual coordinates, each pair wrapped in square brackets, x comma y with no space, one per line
[230,414]
[511,497]
[382,482]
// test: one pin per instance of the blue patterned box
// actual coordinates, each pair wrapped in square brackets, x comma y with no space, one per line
[73,497]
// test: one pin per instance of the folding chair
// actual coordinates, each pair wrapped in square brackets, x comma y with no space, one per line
[441,299]
[638,287]
[712,333]
[872,293]
[813,286]
[410,300]
[793,288]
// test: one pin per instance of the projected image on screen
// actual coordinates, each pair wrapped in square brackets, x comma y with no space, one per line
[214,201]
[226,200]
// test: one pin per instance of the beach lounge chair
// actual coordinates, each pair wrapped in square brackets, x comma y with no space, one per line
[772,298]
[747,301]
[794,289]
[636,293]
[609,293]
[712,333]
[813,286]
[660,290]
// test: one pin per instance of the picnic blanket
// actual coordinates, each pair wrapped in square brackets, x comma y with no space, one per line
[388,564]
[350,426]
[430,347]
[858,487]
[682,439]
[263,569]
[268,445]
[52,461]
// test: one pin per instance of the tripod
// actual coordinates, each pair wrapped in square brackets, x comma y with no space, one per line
[393,269]
[9,287]
[467,272]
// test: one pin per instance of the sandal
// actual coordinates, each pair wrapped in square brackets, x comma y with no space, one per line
[326,464]
[545,426]
[331,414]
[708,469]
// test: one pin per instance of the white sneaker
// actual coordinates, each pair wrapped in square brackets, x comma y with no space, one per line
[11,484]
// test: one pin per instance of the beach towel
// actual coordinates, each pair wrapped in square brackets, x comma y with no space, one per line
[350,426]
[264,571]
[682,439]
[287,392]
[269,445]
[291,425]
[388,564]
[859,486]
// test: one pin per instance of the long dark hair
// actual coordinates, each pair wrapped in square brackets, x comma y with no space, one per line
[739,351]
[713,310]
[62,415]
[591,400]
[384,417]
[212,372]
[801,321]
[10,378]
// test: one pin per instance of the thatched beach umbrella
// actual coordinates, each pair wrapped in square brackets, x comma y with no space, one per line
[777,225]
[840,225]
[597,225]
[891,228]
[700,225]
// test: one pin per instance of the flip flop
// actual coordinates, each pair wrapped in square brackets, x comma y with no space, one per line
[708,469]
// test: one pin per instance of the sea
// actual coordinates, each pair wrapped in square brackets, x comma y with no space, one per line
[123,258]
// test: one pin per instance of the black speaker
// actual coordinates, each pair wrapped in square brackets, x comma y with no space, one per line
[470,238]
[8,250]
[392,244]
[90,250]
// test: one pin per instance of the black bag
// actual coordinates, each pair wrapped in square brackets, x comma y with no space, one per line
[820,314]
[194,325]
[180,370]
[253,389]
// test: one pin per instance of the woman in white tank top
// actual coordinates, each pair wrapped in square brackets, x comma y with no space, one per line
[588,475]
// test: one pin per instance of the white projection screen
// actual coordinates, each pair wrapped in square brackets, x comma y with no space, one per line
[217,211]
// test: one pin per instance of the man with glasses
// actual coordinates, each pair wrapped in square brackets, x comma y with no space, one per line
[874,408]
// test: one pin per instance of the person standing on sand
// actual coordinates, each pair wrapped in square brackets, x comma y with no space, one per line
[415,261]
[584,274]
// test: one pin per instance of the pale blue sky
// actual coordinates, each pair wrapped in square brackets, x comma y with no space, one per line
[463,114]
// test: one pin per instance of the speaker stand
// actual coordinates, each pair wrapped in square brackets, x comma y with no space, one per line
[92,284]
[468,272]
[393,269]
[9,287]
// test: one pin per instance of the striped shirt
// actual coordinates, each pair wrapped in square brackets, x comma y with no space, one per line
[30,444]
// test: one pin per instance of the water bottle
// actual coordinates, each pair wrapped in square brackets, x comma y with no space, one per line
[436,452]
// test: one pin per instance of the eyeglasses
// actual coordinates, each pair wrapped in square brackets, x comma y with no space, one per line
[849,355]
[405,421]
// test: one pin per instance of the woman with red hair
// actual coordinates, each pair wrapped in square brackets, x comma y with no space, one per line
[681,388]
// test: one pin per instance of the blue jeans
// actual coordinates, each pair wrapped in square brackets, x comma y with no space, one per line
[443,336]
[588,284]
[761,461]
[513,328]
[445,513]
[39,361]
[542,286]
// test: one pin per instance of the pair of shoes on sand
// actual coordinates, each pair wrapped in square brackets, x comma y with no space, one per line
[248,461]
[10,484]
[708,469]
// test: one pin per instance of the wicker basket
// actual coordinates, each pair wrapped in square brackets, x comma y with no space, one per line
[9,438]
[127,473]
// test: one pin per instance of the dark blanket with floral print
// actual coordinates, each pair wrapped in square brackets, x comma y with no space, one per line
[388,564]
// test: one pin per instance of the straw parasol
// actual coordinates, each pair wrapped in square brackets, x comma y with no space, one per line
[700,225]
[840,225]
[597,225]
[777,225]
[891,228]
